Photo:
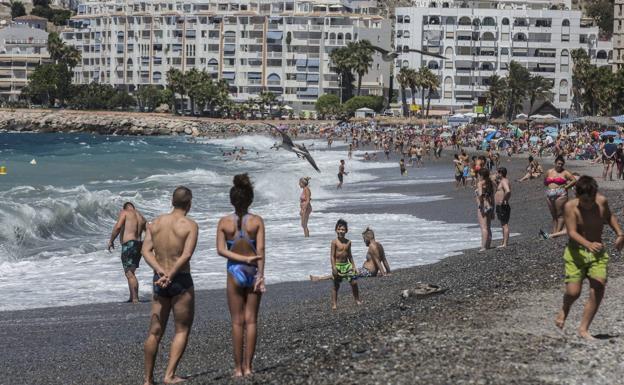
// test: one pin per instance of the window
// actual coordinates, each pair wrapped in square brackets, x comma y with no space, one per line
[505,21]
[565,23]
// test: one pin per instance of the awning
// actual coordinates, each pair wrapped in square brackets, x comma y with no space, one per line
[230,48]
[254,75]
[301,62]
[618,119]
[313,62]
[229,75]
[313,77]
[275,35]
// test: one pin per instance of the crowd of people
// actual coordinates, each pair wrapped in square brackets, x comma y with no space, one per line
[170,239]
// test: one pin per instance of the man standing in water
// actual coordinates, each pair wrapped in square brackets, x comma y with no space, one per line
[501,199]
[585,255]
[169,244]
[131,225]
[341,173]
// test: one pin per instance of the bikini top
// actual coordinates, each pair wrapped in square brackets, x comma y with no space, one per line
[558,180]
[241,234]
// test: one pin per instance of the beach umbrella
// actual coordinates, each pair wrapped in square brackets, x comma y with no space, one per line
[534,139]
[609,133]
[490,129]
[617,141]
[504,143]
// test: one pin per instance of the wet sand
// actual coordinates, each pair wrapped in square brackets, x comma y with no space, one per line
[492,325]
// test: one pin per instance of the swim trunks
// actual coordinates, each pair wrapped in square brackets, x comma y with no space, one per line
[131,254]
[365,273]
[503,212]
[340,177]
[581,263]
[180,284]
[345,272]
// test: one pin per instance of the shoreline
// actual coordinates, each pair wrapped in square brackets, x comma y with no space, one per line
[476,330]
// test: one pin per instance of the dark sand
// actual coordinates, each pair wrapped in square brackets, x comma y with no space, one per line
[492,326]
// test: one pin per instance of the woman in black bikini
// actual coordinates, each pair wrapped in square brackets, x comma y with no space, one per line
[484,195]
[240,239]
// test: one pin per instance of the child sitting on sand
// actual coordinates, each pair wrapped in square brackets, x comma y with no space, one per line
[343,267]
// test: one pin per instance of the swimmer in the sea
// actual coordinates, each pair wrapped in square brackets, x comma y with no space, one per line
[168,247]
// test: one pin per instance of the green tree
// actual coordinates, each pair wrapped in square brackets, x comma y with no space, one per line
[267,99]
[539,88]
[42,85]
[149,97]
[602,12]
[432,83]
[403,78]
[342,64]
[517,82]
[176,82]
[375,103]
[122,99]
[328,105]
[17,9]
[496,94]
[413,82]
[362,56]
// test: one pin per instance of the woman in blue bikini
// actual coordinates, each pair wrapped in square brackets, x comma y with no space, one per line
[240,239]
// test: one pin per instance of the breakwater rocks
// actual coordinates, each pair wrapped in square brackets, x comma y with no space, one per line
[119,123]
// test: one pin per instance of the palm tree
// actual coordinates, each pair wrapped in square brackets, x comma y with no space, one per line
[362,55]
[403,77]
[496,94]
[432,82]
[176,82]
[413,82]
[267,98]
[537,89]
[517,82]
[195,82]
[342,64]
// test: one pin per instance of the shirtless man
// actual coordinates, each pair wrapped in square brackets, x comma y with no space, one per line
[130,226]
[341,173]
[501,199]
[419,153]
[376,263]
[169,244]
[585,254]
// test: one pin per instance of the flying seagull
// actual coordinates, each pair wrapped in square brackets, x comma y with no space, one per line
[299,149]
[390,56]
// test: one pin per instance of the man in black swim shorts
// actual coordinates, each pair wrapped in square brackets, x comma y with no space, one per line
[501,198]
[130,226]
[170,241]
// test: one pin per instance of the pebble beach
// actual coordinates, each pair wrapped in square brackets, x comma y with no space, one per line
[493,324]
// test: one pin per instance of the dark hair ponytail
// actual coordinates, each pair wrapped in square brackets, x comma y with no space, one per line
[241,195]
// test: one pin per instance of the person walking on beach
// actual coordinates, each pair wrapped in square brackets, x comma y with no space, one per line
[501,198]
[169,245]
[240,239]
[343,267]
[585,255]
[130,226]
[305,205]
[402,167]
[484,195]
[608,157]
[341,173]
[459,171]
[558,181]
[419,155]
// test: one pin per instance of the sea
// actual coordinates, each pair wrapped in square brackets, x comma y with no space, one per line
[62,194]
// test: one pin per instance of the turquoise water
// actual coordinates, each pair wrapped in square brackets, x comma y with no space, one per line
[56,216]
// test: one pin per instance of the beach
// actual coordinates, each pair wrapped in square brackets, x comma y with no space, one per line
[492,325]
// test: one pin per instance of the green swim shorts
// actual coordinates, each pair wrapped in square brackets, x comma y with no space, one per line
[581,263]
[345,271]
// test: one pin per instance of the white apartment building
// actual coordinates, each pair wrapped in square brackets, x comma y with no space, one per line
[22,49]
[281,46]
[618,34]
[480,39]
